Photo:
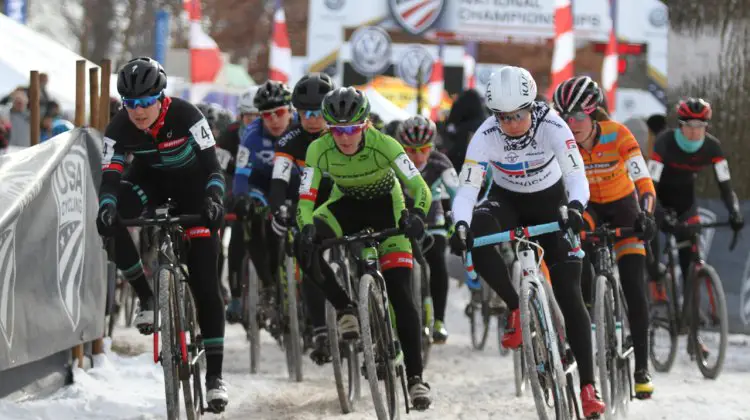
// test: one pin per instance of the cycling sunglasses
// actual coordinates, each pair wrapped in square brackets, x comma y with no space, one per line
[278,112]
[145,102]
[340,130]
[577,116]
[419,149]
[508,117]
[313,113]
[694,123]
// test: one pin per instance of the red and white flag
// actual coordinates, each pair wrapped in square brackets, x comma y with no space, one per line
[205,56]
[436,86]
[610,66]
[280,57]
[470,62]
[565,48]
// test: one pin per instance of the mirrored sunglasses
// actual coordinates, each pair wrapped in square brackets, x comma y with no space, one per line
[419,149]
[574,116]
[278,112]
[145,102]
[508,117]
[347,129]
[313,113]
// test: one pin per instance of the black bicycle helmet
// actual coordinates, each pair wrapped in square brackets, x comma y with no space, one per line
[392,127]
[309,91]
[142,76]
[694,109]
[376,121]
[345,105]
[579,93]
[210,111]
[416,131]
[272,94]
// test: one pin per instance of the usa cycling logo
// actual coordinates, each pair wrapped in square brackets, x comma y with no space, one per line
[416,16]
[68,186]
[7,282]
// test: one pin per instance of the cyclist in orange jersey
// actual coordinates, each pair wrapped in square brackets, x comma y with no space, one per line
[615,169]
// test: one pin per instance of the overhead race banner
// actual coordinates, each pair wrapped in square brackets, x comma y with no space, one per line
[52,265]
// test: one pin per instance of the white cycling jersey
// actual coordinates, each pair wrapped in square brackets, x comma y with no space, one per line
[528,164]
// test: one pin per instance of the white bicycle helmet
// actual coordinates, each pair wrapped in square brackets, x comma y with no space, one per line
[510,89]
[246,104]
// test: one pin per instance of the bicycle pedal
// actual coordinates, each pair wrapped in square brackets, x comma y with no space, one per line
[217,407]
[643,395]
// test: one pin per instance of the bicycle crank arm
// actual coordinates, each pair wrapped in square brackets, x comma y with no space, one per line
[628,353]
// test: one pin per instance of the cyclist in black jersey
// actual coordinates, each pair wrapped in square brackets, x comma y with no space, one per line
[289,161]
[679,154]
[417,135]
[174,158]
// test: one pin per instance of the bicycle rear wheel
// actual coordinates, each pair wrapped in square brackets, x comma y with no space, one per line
[709,319]
[169,344]
[251,301]
[292,335]
[376,342]
[543,362]
[663,329]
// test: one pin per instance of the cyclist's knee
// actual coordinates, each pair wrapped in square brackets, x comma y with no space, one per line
[629,246]
[395,252]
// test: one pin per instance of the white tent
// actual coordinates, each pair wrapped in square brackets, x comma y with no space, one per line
[24,49]
[387,110]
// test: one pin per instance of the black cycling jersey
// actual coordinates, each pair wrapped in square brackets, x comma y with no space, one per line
[674,172]
[226,149]
[289,161]
[440,176]
[179,146]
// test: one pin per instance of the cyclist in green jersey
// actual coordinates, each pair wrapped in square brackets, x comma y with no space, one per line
[363,164]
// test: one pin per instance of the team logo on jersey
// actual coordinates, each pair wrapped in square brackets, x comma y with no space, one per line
[512,157]
[7,282]
[69,188]
[416,16]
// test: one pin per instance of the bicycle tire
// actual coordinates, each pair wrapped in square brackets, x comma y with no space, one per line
[130,306]
[373,324]
[669,324]
[709,274]
[479,334]
[343,352]
[186,323]
[625,391]
[252,301]
[293,336]
[421,292]
[538,318]
[168,343]
[604,329]
[519,372]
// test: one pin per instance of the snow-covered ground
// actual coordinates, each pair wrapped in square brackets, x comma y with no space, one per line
[467,385]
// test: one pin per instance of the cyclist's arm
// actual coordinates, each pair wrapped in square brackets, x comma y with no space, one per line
[204,138]
[470,180]
[283,165]
[113,162]
[449,179]
[243,164]
[723,177]
[569,158]
[309,183]
[409,175]
[630,152]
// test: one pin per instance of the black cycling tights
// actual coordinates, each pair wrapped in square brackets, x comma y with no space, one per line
[262,246]
[435,257]
[566,284]
[202,259]
[398,286]
[236,252]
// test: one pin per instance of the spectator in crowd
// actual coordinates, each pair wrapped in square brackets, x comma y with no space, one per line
[656,124]
[44,98]
[20,119]
[467,114]
[4,133]
[53,124]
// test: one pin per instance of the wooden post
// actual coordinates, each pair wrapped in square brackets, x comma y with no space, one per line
[80,118]
[106,66]
[36,118]
[94,97]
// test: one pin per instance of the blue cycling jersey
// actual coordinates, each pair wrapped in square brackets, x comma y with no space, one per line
[254,159]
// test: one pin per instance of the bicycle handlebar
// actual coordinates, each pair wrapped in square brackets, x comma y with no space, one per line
[695,228]
[605,231]
[185,219]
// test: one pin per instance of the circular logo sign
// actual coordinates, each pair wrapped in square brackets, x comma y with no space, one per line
[658,17]
[371,50]
[414,59]
[334,4]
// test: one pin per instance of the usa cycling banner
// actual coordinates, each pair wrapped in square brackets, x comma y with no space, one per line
[52,266]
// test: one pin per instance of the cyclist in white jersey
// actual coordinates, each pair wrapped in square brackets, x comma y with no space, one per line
[537,169]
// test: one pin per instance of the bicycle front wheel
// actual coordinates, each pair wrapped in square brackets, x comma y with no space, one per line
[251,302]
[293,337]
[478,311]
[169,353]
[606,353]
[540,347]
[709,324]
[377,344]
[191,349]
[345,362]
[663,329]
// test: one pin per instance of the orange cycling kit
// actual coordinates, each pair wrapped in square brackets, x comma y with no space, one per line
[615,168]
